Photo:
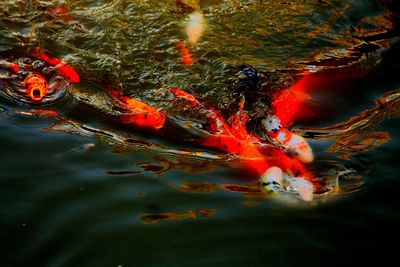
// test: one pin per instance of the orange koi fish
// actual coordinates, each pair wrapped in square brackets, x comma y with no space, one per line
[139,113]
[63,68]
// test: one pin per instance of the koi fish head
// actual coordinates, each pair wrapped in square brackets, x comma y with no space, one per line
[272,180]
[271,124]
[36,87]
[275,181]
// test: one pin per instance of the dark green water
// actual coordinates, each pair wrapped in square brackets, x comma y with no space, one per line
[60,206]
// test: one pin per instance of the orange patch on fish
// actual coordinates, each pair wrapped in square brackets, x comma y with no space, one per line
[235,139]
[61,12]
[181,94]
[287,102]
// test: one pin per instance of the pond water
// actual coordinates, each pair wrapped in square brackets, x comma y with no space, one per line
[75,198]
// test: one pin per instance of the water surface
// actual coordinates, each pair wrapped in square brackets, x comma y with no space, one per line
[72,200]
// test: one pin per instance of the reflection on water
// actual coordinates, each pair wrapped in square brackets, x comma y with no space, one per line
[78,189]
[153,218]
[359,134]
[201,187]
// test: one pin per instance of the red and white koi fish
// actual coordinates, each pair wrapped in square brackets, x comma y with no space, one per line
[292,143]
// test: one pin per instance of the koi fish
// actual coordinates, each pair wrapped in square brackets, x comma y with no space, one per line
[150,218]
[31,80]
[61,12]
[231,136]
[63,68]
[286,107]
[235,139]
[139,113]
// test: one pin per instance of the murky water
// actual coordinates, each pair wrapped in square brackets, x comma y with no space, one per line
[74,195]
